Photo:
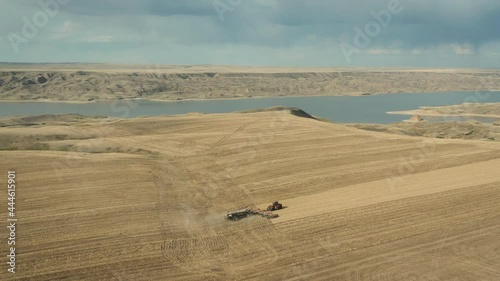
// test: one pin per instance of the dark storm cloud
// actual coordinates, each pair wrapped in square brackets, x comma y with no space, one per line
[308,32]
[457,22]
[423,23]
[420,24]
[140,7]
[322,12]
[180,7]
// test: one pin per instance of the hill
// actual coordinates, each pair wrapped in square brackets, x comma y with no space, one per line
[93,82]
[145,198]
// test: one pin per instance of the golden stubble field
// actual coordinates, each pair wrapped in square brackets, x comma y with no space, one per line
[144,199]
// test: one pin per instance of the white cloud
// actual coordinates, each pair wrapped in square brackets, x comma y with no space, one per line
[381,51]
[68,27]
[98,39]
[463,49]
[417,51]
[64,30]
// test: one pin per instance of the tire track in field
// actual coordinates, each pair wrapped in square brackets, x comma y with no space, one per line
[467,242]
[202,241]
[226,137]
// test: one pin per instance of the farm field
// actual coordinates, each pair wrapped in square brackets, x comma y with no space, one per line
[145,198]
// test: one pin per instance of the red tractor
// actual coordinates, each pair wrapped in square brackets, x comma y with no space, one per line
[275,206]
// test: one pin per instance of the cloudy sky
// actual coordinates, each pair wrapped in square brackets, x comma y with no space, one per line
[408,33]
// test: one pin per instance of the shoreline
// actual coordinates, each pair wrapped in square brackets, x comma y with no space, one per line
[194,69]
[196,83]
[423,113]
[48,101]
[241,98]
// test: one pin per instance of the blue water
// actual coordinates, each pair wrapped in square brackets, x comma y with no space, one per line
[363,109]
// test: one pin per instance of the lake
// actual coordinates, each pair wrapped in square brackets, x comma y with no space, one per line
[340,109]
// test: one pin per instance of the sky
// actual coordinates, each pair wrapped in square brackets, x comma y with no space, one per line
[324,33]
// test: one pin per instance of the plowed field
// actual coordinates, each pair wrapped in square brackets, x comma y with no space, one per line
[145,198]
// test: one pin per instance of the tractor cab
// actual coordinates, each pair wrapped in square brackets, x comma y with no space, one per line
[275,206]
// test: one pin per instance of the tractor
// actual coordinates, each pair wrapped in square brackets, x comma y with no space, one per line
[275,206]
[245,212]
